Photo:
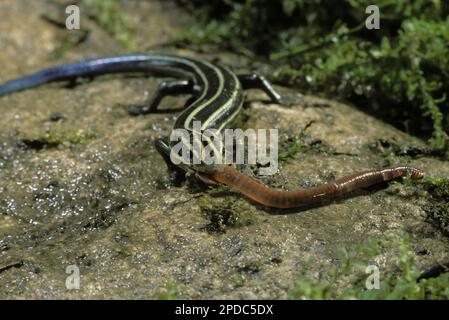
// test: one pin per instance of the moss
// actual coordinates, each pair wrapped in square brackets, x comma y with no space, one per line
[399,149]
[398,72]
[291,146]
[220,219]
[290,151]
[238,280]
[398,281]
[437,185]
[68,138]
[58,138]
[223,215]
[399,77]
[109,15]
[437,206]
[169,292]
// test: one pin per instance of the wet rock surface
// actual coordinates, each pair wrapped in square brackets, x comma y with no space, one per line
[81,183]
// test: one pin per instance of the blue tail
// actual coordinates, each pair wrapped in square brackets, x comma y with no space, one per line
[85,68]
[21,84]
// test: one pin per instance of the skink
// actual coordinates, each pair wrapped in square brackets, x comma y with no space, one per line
[217,97]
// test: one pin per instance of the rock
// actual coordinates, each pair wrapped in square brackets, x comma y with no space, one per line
[100,199]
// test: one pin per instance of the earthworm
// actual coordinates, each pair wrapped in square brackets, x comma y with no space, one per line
[291,199]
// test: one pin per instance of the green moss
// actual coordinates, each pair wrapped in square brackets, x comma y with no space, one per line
[437,184]
[169,292]
[222,214]
[109,15]
[404,77]
[59,138]
[437,206]
[70,137]
[220,218]
[397,281]
[198,35]
[292,146]
[290,151]
[398,72]
[238,280]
